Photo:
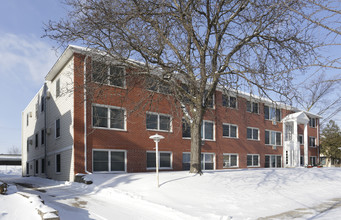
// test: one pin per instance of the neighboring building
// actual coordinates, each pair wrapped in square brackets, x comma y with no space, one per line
[239,131]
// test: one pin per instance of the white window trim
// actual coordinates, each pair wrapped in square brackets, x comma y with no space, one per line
[108,118]
[203,130]
[214,160]
[275,137]
[276,155]
[314,141]
[229,96]
[161,168]
[158,122]
[252,160]
[109,160]
[252,139]
[252,102]
[275,118]
[185,138]
[231,154]
[107,83]
[237,132]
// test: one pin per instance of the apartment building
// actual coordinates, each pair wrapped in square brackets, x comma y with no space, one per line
[65,132]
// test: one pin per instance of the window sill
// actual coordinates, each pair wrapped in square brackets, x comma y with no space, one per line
[160,130]
[231,137]
[252,139]
[112,129]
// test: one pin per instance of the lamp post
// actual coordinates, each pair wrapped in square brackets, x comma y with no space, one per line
[157,139]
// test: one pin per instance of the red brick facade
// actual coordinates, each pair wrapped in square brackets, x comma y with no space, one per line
[135,139]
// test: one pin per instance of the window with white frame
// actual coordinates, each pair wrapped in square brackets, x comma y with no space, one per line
[57,128]
[273,138]
[271,113]
[157,86]
[252,107]
[312,141]
[253,160]
[109,161]
[313,161]
[230,130]
[230,160]
[108,117]
[207,161]
[252,133]
[229,101]
[273,161]
[312,122]
[207,130]
[186,129]
[210,100]
[300,139]
[165,160]
[158,122]
[58,88]
[108,74]
[58,163]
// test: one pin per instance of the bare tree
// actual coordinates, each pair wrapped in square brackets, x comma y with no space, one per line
[14,150]
[196,46]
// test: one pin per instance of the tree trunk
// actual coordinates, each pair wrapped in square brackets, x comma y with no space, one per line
[196,147]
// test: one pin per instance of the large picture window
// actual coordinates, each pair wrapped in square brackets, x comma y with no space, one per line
[109,161]
[230,160]
[230,130]
[273,138]
[158,122]
[108,74]
[165,160]
[252,133]
[108,117]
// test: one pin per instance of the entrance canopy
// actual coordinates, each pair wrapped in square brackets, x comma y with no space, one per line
[299,117]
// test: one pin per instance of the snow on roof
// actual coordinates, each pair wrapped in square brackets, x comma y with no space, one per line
[10,156]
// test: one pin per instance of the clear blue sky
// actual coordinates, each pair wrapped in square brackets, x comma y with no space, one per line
[25,59]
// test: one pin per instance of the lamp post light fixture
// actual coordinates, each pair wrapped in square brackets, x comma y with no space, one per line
[157,139]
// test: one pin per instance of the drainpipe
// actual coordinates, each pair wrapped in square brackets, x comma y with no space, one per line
[85,124]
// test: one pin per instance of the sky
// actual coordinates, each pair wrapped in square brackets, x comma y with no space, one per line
[25,59]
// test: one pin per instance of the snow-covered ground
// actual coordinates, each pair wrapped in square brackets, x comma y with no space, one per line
[299,193]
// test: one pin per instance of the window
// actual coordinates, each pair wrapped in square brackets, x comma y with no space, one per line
[159,122]
[108,74]
[28,144]
[252,160]
[207,161]
[273,138]
[58,160]
[301,160]
[58,128]
[271,113]
[186,129]
[252,107]
[42,104]
[230,160]
[313,161]
[42,165]
[58,88]
[165,160]
[210,100]
[230,130]
[37,167]
[300,139]
[108,117]
[27,168]
[36,140]
[273,161]
[157,86]
[229,101]
[289,131]
[27,119]
[312,122]
[42,137]
[207,130]
[252,133]
[109,161]
[312,142]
